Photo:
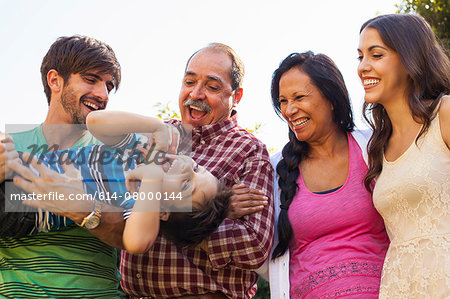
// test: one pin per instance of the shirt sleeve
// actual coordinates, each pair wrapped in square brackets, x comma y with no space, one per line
[130,142]
[246,242]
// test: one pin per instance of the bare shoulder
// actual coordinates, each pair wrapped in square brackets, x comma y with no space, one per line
[444,119]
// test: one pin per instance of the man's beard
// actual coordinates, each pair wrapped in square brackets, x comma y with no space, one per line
[69,104]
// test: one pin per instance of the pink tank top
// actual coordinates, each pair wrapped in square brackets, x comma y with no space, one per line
[339,241]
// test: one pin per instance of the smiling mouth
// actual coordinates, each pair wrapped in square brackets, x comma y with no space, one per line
[300,123]
[170,163]
[196,112]
[92,106]
[370,82]
[166,165]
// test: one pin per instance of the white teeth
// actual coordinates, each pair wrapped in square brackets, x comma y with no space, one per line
[300,122]
[368,82]
[89,104]
[196,108]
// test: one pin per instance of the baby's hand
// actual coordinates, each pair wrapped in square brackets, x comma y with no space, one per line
[144,172]
[161,138]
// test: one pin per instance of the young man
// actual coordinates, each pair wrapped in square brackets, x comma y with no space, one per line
[78,73]
[222,266]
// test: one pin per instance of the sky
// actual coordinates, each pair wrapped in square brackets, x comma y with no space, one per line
[153,40]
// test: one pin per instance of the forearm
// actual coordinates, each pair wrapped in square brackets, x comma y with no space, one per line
[142,227]
[140,232]
[110,127]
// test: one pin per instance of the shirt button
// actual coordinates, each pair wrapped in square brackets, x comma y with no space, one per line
[138,275]
[202,141]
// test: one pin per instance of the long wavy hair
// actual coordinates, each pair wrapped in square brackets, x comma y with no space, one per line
[427,66]
[325,75]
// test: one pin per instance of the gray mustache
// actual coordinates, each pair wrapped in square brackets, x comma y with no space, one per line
[199,103]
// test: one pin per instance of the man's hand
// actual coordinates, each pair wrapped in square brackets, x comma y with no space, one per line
[68,184]
[245,201]
[7,153]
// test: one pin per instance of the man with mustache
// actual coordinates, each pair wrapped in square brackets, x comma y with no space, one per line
[78,73]
[222,267]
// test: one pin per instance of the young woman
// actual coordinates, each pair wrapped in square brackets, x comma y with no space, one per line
[406,76]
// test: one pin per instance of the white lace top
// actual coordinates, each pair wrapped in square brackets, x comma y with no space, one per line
[412,194]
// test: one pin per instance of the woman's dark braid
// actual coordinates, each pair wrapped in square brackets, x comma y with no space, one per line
[288,171]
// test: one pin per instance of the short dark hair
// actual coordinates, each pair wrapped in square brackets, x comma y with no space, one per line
[237,71]
[188,229]
[77,54]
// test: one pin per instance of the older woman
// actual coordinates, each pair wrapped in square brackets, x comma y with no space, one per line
[331,241]
[406,74]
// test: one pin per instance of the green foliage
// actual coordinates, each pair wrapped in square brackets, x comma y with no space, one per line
[263,290]
[254,129]
[271,150]
[437,14]
[166,111]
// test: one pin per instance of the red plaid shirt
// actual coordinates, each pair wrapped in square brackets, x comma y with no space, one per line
[237,247]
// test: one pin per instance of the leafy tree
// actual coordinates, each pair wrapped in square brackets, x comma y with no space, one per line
[263,290]
[437,14]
